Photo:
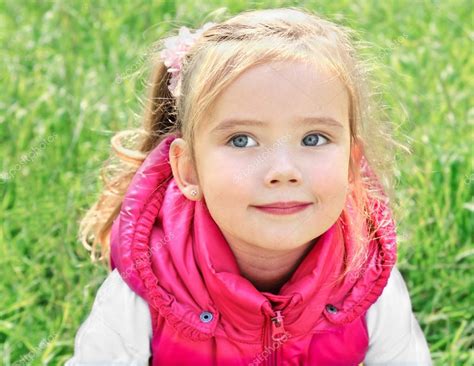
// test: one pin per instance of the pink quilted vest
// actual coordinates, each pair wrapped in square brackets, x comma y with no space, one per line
[169,250]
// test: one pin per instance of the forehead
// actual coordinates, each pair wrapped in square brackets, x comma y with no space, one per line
[282,91]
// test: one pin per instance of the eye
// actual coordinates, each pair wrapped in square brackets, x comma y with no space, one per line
[313,141]
[239,139]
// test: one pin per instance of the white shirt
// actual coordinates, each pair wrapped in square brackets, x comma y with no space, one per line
[118,329]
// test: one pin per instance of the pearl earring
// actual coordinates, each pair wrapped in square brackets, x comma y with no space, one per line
[193,192]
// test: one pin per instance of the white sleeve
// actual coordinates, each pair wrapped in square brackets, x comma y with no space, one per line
[118,329]
[395,337]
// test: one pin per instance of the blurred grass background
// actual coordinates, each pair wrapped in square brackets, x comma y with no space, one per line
[70,76]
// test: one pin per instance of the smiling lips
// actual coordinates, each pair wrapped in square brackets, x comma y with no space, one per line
[284,208]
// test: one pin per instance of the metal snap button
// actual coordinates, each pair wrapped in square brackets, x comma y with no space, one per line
[331,308]
[206,316]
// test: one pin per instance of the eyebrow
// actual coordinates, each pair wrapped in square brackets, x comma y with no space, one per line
[230,124]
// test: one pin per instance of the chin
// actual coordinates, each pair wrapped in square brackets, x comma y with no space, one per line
[288,244]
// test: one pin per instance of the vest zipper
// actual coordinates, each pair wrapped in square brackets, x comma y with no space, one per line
[275,335]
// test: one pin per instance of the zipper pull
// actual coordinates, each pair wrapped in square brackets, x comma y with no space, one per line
[278,329]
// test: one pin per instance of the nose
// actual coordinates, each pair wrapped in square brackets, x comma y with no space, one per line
[283,169]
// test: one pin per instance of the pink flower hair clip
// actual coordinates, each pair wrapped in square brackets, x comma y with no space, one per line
[174,51]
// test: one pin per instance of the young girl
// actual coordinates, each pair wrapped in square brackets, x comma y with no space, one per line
[254,227]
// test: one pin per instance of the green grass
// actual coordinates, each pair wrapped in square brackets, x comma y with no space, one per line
[61,104]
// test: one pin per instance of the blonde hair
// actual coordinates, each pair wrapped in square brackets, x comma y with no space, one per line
[218,57]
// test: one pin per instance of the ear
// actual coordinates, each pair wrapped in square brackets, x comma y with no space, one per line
[184,171]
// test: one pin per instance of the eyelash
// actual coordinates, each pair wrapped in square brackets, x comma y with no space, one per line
[245,134]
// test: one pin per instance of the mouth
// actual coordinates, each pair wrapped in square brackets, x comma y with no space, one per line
[283,208]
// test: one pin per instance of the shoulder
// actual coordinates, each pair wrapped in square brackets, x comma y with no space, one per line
[394,333]
[121,301]
[392,306]
[118,328]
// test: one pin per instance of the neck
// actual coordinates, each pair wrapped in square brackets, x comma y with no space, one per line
[268,270]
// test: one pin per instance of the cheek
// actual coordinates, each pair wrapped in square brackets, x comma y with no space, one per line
[226,189]
[225,178]
[329,178]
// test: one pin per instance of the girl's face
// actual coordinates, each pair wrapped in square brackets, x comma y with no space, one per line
[297,151]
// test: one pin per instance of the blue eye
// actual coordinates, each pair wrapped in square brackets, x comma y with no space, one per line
[241,140]
[314,141]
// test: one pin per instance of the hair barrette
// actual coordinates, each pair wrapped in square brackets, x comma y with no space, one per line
[174,51]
